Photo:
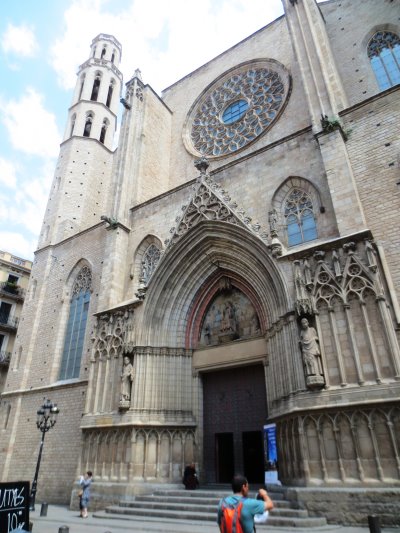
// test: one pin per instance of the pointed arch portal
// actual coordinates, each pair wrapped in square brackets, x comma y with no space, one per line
[220,267]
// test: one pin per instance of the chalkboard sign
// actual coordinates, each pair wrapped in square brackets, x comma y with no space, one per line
[14,506]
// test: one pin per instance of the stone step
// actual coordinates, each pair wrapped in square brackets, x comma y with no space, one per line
[201,506]
[278,521]
[197,507]
[212,500]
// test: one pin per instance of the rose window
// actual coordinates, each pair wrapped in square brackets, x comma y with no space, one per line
[237,109]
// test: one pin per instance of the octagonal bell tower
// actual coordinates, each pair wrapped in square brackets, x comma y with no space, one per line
[94,108]
[80,191]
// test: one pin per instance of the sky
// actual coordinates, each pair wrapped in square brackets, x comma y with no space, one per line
[42,44]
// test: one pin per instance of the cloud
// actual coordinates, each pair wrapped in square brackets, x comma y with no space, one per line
[162,38]
[17,244]
[19,40]
[8,176]
[22,213]
[31,128]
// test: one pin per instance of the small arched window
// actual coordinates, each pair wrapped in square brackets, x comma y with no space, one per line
[110,93]
[299,217]
[113,57]
[103,130]
[103,53]
[150,260]
[384,54]
[76,327]
[73,120]
[88,125]
[96,87]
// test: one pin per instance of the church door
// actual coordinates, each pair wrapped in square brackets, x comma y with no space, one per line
[234,415]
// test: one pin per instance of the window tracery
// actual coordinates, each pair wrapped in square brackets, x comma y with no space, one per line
[239,107]
[299,217]
[149,262]
[76,326]
[384,55]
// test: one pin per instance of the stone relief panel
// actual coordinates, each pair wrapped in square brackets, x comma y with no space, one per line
[230,316]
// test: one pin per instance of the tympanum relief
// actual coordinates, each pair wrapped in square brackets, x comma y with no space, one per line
[230,316]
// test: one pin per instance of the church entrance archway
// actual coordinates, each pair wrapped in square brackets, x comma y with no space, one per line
[234,410]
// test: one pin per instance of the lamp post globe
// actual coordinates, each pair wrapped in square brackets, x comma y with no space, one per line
[46,419]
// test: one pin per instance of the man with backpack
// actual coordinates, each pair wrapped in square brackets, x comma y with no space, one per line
[236,513]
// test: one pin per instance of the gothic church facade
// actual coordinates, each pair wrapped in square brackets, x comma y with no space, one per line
[233,263]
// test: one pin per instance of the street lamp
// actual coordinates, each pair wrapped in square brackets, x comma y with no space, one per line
[46,418]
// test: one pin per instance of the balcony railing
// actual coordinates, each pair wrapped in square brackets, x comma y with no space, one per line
[5,358]
[11,289]
[9,321]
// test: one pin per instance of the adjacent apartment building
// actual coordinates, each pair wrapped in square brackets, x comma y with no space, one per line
[14,278]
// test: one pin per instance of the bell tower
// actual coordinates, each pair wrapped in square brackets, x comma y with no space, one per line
[81,184]
[94,108]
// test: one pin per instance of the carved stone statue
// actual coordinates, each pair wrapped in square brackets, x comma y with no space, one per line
[309,343]
[127,376]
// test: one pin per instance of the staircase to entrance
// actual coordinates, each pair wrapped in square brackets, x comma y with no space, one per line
[201,505]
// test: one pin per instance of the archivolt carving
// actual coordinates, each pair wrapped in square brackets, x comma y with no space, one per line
[343,446]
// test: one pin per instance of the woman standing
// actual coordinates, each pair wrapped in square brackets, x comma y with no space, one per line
[85,482]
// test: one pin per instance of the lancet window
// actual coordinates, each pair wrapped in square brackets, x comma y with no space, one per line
[88,125]
[299,217]
[73,120]
[110,93]
[384,55]
[96,87]
[82,84]
[76,326]
[103,130]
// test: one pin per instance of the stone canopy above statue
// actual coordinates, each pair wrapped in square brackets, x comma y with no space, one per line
[229,316]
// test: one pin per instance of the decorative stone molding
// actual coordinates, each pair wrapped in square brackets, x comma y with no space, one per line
[344,289]
[209,201]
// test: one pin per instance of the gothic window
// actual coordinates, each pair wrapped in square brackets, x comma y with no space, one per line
[96,87]
[103,53]
[149,261]
[113,57]
[103,130]
[299,218]
[76,327]
[110,93]
[384,54]
[88,125]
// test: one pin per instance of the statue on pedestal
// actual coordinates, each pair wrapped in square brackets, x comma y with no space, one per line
[310,350]
[127,376]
